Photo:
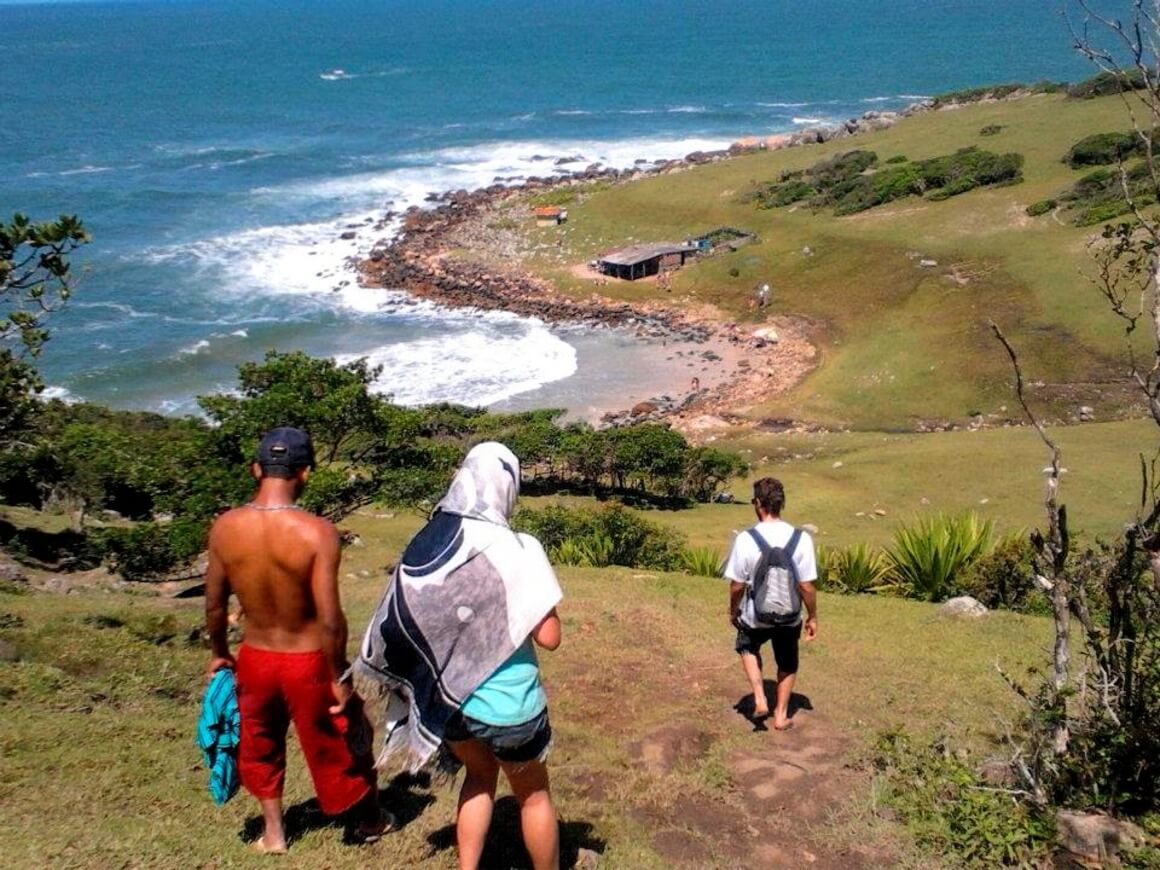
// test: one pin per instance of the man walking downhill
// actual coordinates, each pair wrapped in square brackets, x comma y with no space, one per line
[282,563]
[783,631]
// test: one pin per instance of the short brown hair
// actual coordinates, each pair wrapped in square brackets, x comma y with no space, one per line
[769,495]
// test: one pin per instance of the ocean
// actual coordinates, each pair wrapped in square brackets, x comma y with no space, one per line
[218,150]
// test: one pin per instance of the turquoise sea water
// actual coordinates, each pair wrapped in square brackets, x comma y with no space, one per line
[217,150]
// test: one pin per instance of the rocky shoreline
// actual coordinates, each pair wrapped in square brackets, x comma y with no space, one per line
[418,260]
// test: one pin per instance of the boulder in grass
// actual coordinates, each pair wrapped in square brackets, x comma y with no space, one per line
[11,570]
[1095,837]
[964,605]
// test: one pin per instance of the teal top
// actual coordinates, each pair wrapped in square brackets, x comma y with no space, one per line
[512,694]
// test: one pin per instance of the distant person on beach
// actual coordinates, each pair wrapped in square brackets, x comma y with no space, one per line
[282,563]
[763,293]
[453,646]
[776,617]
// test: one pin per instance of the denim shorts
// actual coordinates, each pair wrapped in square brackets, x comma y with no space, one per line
[528,741]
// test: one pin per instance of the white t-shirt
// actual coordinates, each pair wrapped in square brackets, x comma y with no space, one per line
[745,553]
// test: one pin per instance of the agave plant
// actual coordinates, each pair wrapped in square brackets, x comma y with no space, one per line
[570,552]
[598,550]
[702,562]
[926,557]
[859,568]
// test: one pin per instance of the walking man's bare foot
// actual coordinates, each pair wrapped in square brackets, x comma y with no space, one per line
[782,723]
[760,707]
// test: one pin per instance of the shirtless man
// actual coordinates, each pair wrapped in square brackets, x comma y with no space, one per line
[282,564]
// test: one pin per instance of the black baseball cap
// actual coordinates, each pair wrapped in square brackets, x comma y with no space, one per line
[285,448]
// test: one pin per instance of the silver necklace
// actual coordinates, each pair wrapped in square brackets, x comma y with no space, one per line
[273,507]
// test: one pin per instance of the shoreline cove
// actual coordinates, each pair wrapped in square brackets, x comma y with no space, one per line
[740,365]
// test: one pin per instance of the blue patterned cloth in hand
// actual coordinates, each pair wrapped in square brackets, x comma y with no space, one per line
[217,734]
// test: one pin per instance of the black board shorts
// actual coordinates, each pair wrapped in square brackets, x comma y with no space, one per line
[528,741]
[783,638]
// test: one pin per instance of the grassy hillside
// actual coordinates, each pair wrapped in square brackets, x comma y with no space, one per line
[98,766]
[901,343]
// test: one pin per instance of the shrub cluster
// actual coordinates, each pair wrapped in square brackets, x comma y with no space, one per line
[1099,196]
[933,559]
[1041,207]
[600,537]
[951,811]
[1103,149]
[853,181]
[171,477]
[1107,83]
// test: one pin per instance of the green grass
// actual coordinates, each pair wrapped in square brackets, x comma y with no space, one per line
[98,766]
[900,343]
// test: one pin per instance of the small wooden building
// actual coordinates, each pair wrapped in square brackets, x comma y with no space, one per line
[640,261]
[550,215]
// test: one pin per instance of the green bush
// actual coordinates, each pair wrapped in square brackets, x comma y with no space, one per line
[151,550]
[975,95]
[1106,83]
[949,810]
[1099,196]
[852,182]
[1102,149]
[703,562]
[1005,577]
[1041,207]
[897,158]
[856,569]
[612,535]
[927,559]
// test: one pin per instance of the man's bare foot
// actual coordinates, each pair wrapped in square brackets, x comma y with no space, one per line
[760,708]
[261,846]
[372,832]
[782,724]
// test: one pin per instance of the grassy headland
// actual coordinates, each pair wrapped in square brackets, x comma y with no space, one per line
[652,766]
[901,343]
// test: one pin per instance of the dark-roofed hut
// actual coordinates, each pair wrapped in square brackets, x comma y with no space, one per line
[640,261]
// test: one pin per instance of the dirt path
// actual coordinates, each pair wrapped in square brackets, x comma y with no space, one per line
[707,786]
[782,785]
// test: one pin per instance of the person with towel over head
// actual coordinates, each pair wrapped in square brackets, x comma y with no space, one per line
[452,646]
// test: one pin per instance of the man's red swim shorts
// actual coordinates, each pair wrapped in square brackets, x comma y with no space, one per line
[277,688]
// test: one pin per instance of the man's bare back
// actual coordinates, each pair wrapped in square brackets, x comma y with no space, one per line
[278,563]
[282,564]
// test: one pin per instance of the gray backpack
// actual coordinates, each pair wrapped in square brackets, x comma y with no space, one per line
[777,600]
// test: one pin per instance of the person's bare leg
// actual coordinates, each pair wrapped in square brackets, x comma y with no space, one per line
[751,664]
[476,800]
[541,829]
[784,692]
[273,837]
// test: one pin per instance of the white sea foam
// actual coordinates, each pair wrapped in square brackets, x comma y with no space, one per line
[241,333]
[782,105]
[571,112]
[798,120]
[87,169]
[195,348]
[311,259]
[62,393]
[913,97]
[876,99]
[687,110]
[474,367]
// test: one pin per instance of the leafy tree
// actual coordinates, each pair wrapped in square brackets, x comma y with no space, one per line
[35,274]
[333,402]
[35,280]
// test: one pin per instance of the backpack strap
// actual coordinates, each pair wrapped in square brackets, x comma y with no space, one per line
[762,544]
[793,542]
